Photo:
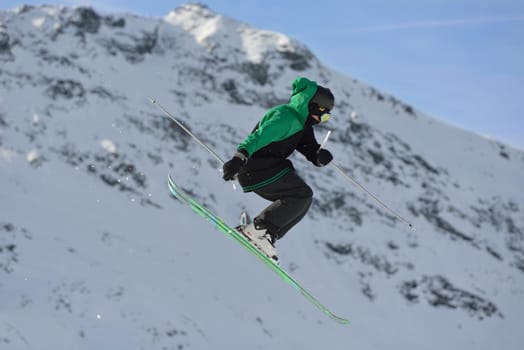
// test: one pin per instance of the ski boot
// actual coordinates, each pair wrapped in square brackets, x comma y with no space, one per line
[260,239]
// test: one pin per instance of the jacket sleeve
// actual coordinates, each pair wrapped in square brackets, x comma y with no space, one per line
[272,129]
[308,145]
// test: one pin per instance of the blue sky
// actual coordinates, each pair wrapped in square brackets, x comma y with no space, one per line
[461,61]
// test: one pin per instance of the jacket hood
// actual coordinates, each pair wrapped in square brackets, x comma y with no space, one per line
[303,91]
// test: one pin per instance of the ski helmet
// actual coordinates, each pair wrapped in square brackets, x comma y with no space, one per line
[322,103]
[323,98]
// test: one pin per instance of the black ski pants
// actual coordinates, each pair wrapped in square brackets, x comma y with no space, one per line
[291,198]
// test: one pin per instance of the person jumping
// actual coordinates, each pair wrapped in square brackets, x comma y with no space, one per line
[261,163]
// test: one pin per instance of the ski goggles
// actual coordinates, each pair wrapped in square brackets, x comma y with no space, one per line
[324,114]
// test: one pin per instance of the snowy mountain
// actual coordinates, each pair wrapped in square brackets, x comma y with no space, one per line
[95,254]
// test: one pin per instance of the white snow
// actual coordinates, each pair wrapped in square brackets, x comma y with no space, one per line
[108,145]
[6,154]
[38,22]
[32,155]
[95,254]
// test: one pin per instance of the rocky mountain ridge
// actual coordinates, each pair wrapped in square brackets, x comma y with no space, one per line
[82,148]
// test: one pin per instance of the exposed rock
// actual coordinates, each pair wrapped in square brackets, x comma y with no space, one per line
[110,21]
[257,71]
[364,255]
[439,292]
[86,20]
[133,48]
[298,61]
[67,89]
[5,45]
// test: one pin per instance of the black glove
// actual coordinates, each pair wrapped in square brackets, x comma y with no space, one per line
[232,166]
[323,157]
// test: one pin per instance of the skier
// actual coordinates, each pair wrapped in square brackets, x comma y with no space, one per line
[261,163]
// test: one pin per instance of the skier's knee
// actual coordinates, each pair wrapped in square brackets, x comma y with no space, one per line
[307,198]
[308,193]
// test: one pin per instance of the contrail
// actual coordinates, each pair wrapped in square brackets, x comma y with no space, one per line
[439,23]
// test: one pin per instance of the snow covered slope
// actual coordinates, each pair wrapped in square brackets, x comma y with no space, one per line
[95,254]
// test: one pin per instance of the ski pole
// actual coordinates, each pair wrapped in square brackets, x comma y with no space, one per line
[343,173]
[354,182]
[213,153]
[325,139]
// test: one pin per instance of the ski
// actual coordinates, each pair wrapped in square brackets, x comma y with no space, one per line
[229,231]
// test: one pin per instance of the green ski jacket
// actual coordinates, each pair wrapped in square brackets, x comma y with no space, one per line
[282,130]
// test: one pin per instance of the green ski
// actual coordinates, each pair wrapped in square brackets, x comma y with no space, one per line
[198,208]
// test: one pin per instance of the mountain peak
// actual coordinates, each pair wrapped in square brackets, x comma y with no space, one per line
[192,13]
[84,151]
[201,22]
[196,8]
[226,36]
